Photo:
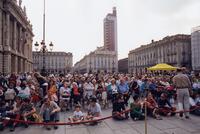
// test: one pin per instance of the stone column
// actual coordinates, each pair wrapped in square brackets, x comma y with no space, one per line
[7,31]
[1,62]
[179,53]
[16,64]
[20,40]
[25,66]
[15,36]
[6,48]
[19,65]
[1,43]
[7,63]
[22,65]
[1,20]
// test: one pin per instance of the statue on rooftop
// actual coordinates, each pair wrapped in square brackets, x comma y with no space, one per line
[20,3]
[25,10]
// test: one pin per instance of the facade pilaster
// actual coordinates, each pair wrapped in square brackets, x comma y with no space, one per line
[7,63]
[15,35]
[16,63]
[1,62]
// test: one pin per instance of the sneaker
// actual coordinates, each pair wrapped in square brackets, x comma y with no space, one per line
[127,117]
[1,126]
[158,118]
[12,129]
[55,127]
[26,125]
[173,114]
[187,117]
[181,114]
[48,127]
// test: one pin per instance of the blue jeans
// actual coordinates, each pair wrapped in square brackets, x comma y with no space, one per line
[48,117]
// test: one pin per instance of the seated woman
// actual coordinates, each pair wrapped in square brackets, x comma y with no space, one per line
[136,109]
[118,107]
[76,93]
[50,112]
[14,113]
[152,107]
[78,115]
[65,93]
[165,108]
[94,110]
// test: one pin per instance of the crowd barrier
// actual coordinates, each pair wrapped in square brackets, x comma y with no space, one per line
[82,122]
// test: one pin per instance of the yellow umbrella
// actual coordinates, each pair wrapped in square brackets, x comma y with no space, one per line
[162,66]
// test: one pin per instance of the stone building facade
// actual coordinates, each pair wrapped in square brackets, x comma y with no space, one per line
[174,50]
[123,65]
[15,38]
[103,59]
[100,60]
[195,47]
[55,62]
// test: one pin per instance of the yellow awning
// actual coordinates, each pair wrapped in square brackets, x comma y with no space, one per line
[162,66]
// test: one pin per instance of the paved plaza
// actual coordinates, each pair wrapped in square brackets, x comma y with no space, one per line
[169,125]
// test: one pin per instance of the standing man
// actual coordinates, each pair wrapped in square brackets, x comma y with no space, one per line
[183,85]
[123,89]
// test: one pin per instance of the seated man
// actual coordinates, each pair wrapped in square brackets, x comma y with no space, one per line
[136,110]
[27,110]
[94,110]
[165,108]
[50,112]
[118,107]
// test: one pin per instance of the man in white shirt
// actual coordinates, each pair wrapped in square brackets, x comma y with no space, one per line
[94,110]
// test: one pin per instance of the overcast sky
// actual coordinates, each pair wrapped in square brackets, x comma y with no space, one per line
[77,25]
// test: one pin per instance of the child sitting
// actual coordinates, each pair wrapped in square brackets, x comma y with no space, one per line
[118,107]
[136,112]
[78,115]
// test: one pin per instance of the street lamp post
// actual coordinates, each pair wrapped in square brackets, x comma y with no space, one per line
[113,64]
[90,68]
[43,46]
[43,50]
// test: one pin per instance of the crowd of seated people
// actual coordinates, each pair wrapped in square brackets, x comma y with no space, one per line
[33,97]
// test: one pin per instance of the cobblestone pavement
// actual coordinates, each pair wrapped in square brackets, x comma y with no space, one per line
[169,125]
